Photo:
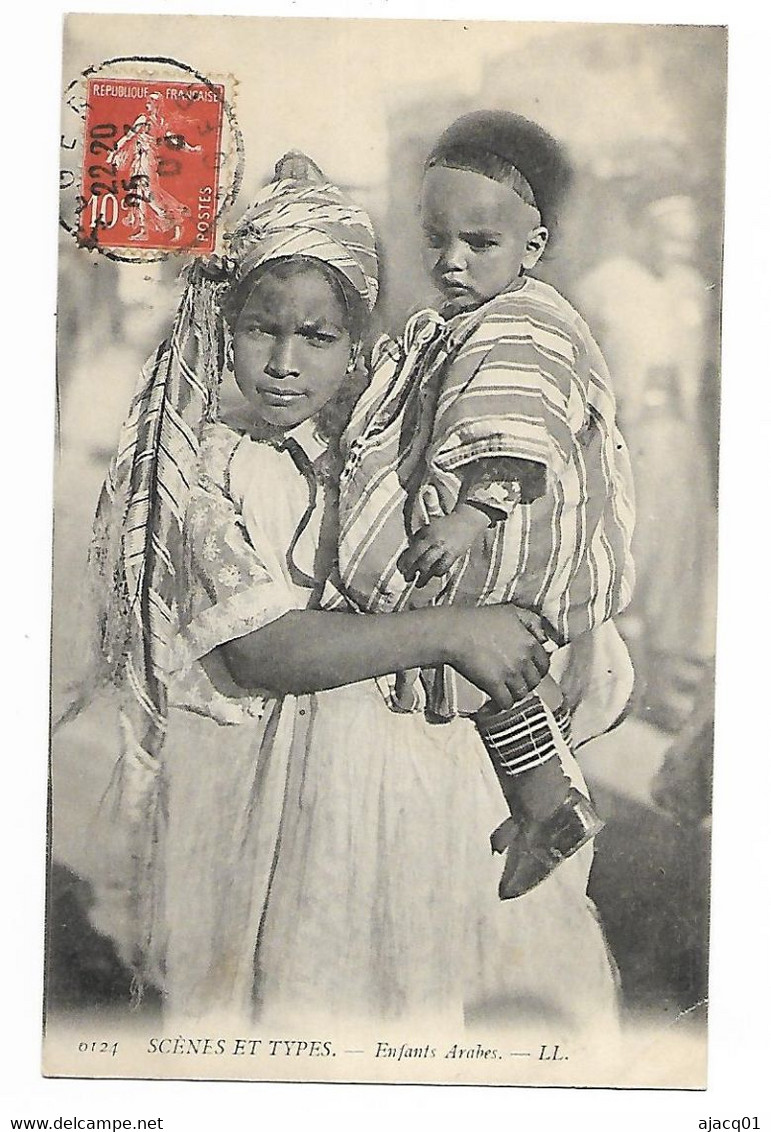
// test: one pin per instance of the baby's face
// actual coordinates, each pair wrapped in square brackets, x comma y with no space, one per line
[479,234]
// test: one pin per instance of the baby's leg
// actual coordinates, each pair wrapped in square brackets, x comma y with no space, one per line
[551,819]
[525,750]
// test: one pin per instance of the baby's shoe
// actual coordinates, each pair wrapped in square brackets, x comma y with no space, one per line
[535,848]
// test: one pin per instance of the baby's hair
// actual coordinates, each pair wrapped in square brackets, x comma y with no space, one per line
[512,150]
[476,160]
[289,267]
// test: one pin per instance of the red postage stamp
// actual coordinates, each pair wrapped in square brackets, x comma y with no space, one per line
[151,164]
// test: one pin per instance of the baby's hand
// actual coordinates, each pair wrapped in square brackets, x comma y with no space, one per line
[435,548]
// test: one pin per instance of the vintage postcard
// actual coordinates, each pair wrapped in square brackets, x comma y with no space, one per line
[385,551]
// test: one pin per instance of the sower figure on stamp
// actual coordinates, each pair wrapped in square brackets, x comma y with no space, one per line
[140,150]
[485,465]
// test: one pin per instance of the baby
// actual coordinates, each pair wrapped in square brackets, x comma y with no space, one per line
[484,464]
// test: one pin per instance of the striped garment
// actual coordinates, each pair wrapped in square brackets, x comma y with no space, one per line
[520,377]
[135,566]
[136,549]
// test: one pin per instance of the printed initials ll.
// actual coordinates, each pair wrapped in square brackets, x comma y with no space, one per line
[553,1055]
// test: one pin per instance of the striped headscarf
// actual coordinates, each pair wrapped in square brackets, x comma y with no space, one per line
[312,220]
[136,557]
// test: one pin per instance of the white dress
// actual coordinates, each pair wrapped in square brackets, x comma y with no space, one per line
[325,856]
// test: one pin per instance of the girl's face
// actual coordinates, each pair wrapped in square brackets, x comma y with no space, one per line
[479,235]
[291,346]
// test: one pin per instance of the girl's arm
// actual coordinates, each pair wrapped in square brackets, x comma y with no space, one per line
[308,650]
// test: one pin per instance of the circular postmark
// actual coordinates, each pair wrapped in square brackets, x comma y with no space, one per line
[152,157]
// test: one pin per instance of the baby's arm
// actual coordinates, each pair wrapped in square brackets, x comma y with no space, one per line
[435,548]
[490,489]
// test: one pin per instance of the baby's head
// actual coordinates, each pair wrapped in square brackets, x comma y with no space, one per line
[491,188]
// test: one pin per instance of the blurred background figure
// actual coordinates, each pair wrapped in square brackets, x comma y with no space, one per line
[650,310]
[682,786]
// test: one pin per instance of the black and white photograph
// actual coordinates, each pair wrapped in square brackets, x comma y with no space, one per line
[385,551]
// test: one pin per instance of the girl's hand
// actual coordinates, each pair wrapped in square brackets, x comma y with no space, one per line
[435,548]
[496,652]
